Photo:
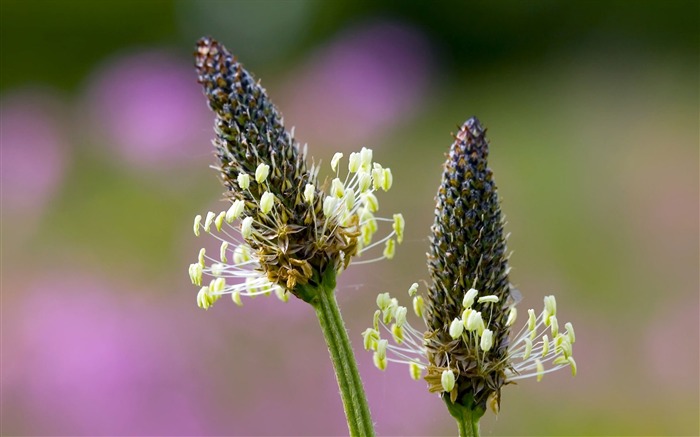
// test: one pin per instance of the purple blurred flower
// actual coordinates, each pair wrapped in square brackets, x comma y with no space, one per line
[149,106]
[32,148]
[78,358]
[360,84]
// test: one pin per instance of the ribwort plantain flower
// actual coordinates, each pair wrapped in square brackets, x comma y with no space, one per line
[283,232]
[467,353]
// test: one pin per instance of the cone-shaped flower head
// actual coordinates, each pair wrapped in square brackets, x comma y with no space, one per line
[466,352]
[468,251]
[281,231]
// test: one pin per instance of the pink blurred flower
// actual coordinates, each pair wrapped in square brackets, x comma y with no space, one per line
[80,359]
[149,106]
[32,148]
[359,84]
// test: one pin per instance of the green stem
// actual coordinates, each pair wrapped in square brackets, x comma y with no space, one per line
[351,389]
[467,417]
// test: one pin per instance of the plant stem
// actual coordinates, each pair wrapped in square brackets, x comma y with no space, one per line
[467,417]
[351,389]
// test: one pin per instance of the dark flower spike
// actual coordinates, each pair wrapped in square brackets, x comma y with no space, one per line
[282,233]
[466,352]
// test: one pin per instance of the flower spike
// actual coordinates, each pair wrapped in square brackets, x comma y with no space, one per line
[467,351]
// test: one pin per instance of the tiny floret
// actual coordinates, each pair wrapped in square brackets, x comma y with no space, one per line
[413,289]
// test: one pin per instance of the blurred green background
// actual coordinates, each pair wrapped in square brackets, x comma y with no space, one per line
[592,112]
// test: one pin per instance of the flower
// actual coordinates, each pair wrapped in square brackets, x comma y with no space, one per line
[283,232]
[466,352]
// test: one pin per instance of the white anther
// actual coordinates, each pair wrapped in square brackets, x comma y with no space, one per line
[208,221]
[243,181]
[488,299]
[469,297]
[335,160]
[267,201]
[219,220]
[398,225]
[261,173]
[448,380]
[512,315]
[309,192]
[222,251]
[197,224]
[247,227]
[337,188]
[456,328]
[235,210]
[486,340]
[329,205]
[354,162]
